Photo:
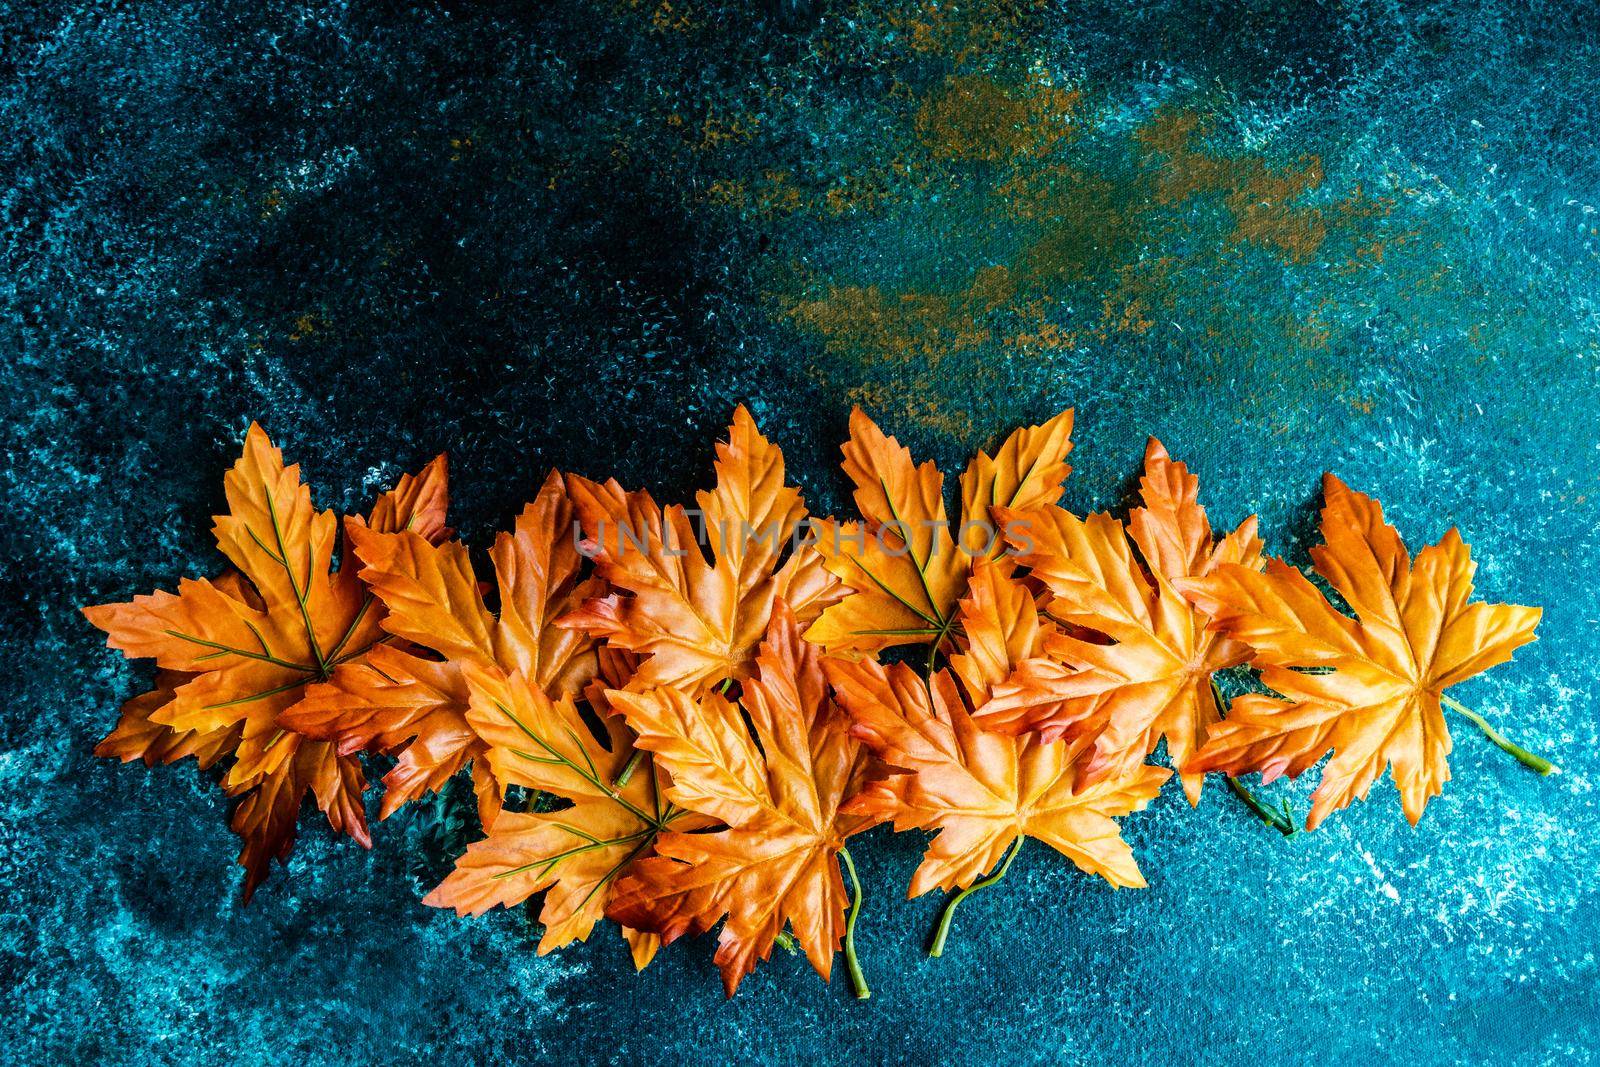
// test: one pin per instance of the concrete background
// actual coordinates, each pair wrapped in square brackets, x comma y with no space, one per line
[1284,237]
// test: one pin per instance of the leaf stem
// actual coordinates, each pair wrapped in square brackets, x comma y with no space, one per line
[1281,820]
[628,768]
[857,979]
[1522,755]
[943,933]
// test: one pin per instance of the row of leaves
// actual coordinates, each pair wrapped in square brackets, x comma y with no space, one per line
[714,728]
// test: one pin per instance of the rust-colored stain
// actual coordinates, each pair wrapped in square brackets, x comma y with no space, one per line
[905,325]
[977,118]
[306,324]
[718,129]
[663,16]
[979,206]
[1264,201]
[1080,266]
[962,33]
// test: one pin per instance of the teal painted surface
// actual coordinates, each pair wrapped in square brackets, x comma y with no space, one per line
[1285,238]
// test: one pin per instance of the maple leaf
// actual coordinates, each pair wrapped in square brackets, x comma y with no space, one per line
[905,567]
[697,623]
[777,784]
[1367,688]
[1145,670]
[984,792]
[137,737]
[573,855]
[414,699]
[244,648]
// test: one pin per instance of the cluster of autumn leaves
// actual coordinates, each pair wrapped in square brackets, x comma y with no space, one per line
[703,698]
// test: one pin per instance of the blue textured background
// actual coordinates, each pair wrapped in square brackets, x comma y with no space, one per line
[1285,237]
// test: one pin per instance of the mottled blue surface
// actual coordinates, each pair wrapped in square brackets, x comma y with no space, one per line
[575,235]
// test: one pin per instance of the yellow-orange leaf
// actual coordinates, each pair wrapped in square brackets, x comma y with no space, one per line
[1145,672]
[779,791]
[982,790]
[905,563]
[573,855]
[250,643]
[1000,628]
[136,737]
[398,700]
[1375,699]
[395,700]
[697,622]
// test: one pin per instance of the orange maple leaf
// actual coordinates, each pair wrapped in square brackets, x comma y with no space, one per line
[1375,697]
[778,790]
[984,792]
[697,623]
[244,649]
[136,737]
[574,854]
[413,699]
[905,566]
[1145,671]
